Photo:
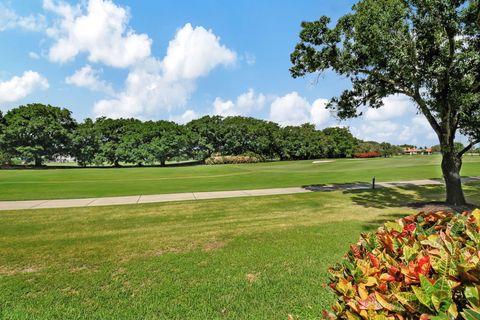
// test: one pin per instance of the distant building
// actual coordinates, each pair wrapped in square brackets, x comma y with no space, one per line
[412,151]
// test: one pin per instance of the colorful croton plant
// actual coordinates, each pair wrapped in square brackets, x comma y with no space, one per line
[424,266]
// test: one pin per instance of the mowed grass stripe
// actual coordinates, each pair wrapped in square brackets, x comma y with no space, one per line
[89,183]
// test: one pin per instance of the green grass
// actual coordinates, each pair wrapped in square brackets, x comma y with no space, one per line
[248,258]
[85,183]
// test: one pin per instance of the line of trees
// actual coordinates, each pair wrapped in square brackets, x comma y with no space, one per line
[36,133]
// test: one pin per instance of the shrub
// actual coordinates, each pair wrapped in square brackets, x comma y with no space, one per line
[425,266]
[371,154]
[231,160]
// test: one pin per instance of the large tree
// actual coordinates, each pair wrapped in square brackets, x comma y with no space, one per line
[111,133]
[38,132]
[428,50]
[169,141]
[85,143]
[4,156]
[206,135]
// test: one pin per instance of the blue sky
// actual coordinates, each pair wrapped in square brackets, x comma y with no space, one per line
[179,60]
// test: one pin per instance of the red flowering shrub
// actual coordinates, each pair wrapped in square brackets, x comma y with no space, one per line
[425,266]
[371,154]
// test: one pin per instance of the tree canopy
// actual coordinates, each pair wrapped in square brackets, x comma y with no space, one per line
[38,132]
[427,50]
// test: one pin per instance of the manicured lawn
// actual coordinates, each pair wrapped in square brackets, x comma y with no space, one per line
[85,183]
[248,258]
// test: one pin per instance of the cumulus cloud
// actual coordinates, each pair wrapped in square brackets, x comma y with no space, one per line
[9,19]
[89,78]
[397,122]
[193,53]
[377,131]
[244,105]
[185,117]
[155,85]
[34,55]
[100,29]
[417,131]
[394,107]
[19,87]
[293,109]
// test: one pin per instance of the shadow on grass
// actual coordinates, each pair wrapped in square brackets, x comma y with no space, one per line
[357,185]
[393,197]
[74,167]
[417,199]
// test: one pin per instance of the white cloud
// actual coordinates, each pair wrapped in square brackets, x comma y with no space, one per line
[245,104]
[224,108]
[418,131]
[396,122]
[89,78]
[34,55]
[186,117]
[153,86]
[379,131]
[100,29]
[9,19]
[193,53]
[19,87]
[394,107]
[249,58]
[293,109]
[319,113]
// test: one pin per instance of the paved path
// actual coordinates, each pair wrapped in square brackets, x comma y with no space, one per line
[93,202]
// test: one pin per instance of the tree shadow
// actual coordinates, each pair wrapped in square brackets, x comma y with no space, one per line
[383,198]
[357,185]
[74,167]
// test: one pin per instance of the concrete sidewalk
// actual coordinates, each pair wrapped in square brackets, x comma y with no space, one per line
[93,202]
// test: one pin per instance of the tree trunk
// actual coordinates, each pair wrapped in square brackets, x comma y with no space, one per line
[451,165]
[116,163]
[38,162]
[162,162]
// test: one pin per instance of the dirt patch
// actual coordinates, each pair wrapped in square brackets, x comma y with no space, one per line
[211,246]
[252,277]
[440,206]
[14,271]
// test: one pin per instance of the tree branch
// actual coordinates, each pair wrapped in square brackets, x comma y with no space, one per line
[380,77]
[424,108]
[465,150]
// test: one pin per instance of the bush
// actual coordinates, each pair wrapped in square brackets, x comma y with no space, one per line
[425,266]
[231,160]
[371,154]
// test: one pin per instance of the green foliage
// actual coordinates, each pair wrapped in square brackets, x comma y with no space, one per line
[207,136]
[112,134]
[37,132]
[167,140]
[242,135]
[425,266]
[342,142]
[85,143]
[385,149]
[302,142]
[5,158]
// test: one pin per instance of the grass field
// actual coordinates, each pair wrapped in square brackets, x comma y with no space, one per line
[85,183]
[249,258]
